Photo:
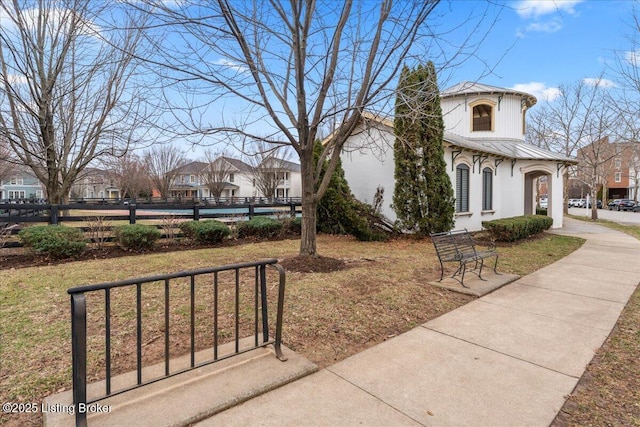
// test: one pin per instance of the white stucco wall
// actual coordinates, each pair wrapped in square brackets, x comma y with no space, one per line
[367,160]
[367,169]
[457,111]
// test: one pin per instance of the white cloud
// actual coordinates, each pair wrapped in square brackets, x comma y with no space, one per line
[56,19]
[633,57]
[241,68]
[545,15]
[545,27]
[14,79]
[537,8]
[605,83]
[539,90]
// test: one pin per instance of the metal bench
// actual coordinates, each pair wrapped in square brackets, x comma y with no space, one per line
[458,246]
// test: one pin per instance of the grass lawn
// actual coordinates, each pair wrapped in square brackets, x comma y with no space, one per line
[608,393]
[328,316]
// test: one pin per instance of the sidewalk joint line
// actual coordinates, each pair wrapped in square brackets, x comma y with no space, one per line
[328,368]
[575,294]
[546,316]
[503,353]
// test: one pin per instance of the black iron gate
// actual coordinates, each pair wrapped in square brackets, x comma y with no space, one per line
[207,279]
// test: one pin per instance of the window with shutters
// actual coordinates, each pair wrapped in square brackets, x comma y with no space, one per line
[462,188]
[487,189]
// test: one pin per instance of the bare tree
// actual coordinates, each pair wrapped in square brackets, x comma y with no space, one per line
[215,175]
[6,163]
[626,69]
[596,152]
[129,173]
[301,70]
[269,168]
[161,163]
[565,124]
[69,88]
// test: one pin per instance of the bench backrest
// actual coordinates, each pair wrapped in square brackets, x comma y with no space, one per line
[453,244]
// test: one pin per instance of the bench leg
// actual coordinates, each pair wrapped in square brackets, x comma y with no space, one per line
[495,265]
[480,272]
[441,271]
[464,269]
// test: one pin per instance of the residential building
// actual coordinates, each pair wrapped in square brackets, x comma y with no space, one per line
[618,167]
[94,183]
[227,177]
[21,184]
[492,170]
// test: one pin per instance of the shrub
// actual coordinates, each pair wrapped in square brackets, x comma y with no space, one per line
[293,225]
[261,227]
[55,241]
[541,211]
[516,228]
[205,232]
[137,237]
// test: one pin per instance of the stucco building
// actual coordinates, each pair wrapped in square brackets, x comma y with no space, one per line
[492,170]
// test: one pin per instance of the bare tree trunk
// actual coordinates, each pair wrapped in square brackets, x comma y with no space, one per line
[308,245]
[594,203]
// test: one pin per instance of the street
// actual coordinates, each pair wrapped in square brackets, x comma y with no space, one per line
[628,217]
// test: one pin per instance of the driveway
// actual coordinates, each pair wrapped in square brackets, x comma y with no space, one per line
[622,217]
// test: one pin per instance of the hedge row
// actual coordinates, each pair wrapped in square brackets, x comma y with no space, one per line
[54,241]
[205,232]
[137,237]
[518,227]
[59,241]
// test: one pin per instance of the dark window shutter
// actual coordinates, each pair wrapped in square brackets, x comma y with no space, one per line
[487,189]
[462,188]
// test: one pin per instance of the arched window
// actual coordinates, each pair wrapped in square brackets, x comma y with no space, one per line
[482,118]
[487,189]
[462,188]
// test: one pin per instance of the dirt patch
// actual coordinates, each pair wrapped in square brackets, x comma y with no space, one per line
[308,264]
[11,258]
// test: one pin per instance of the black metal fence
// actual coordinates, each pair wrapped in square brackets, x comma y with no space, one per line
[231,209]
[27,211]
[246,282]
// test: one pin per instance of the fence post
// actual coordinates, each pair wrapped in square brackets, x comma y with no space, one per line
[79,355]
[196,213]
[292,208]
[132,214]
[251,210]
[53,216]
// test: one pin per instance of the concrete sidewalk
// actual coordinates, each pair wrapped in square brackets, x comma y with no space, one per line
[508,358]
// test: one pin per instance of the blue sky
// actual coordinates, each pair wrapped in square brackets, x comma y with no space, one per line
[546,43]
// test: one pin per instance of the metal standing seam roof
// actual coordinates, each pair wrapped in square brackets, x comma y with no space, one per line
[472,88]
[501,147]
[508,148]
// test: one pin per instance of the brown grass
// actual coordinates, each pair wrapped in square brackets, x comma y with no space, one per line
[381,292]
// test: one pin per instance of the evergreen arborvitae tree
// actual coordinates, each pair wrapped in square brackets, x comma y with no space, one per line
[339,212]
[423,195]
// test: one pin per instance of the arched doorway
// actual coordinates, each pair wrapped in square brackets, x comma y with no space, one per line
[531,175]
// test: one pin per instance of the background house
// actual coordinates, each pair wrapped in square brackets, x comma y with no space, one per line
[95,183]
[618,167]
[226,177]
[493,171]
[21,183]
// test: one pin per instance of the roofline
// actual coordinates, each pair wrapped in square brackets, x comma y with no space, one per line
[531,100]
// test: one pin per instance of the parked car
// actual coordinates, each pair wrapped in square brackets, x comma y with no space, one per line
[598,204]
[579,203]
[636,208]
[626,205]
[613,204]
